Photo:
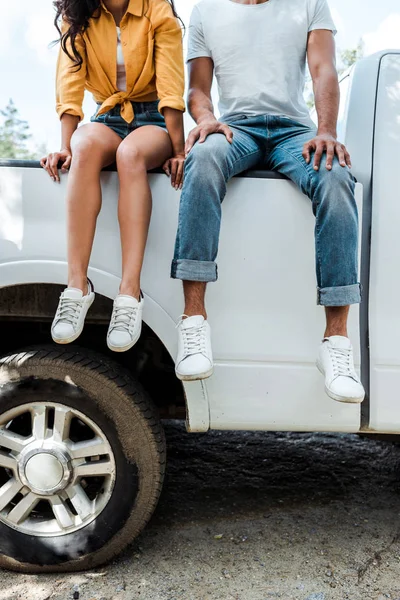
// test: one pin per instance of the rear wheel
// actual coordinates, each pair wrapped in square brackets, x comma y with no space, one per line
[82,458]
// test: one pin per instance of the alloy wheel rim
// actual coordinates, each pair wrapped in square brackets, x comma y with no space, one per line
[57,469]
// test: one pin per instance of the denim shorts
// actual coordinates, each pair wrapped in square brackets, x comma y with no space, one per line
[146,113]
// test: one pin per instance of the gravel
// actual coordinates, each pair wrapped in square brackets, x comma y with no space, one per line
[256,516]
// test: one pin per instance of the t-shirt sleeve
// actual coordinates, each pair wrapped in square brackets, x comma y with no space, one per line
[197,46]
[321,17]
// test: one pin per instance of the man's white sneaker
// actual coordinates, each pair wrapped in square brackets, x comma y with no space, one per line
[194,359]
[71,313]
[126,323]
[335,361]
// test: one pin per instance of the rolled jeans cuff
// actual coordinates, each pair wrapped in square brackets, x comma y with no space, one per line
[340,296]
[194,270]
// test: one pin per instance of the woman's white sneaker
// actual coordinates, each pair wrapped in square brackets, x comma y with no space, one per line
[194,359]
[126,323]
[336,362]
[71,313]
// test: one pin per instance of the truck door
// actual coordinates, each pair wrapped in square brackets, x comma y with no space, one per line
[384,285]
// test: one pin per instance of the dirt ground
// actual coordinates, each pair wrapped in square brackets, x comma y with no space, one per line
[256,516]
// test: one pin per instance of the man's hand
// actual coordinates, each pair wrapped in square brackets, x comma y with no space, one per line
[326,143]
[50,163]
[174,168]
[204,129]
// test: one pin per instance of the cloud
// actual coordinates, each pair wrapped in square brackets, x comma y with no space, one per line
[9,18]
[387,36]
[31,20]
[39,34]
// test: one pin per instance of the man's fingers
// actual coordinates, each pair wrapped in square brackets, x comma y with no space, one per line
[306,152]
[227,131]
[340,151]
[318,155]
[191,140]
[325,144]
[347,158]
[330,155]
[43,162]
[204,133]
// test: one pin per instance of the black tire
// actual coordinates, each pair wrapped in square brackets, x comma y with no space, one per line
[111,398]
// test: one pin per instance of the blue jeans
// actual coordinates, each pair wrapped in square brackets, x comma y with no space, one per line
[146,113]
[277,144]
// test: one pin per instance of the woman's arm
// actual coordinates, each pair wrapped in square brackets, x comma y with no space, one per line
[69,123]
[175,165]
[170,83]
[70,89]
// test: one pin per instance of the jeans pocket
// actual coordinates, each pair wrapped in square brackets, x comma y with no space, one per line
[235,118]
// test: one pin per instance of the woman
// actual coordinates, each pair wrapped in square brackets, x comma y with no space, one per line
[128,53]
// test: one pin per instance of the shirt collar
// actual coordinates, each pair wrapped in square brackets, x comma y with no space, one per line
[135,7]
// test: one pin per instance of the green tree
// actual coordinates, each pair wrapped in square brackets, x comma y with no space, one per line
[14,134]
[349,57]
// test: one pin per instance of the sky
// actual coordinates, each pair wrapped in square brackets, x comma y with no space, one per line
[27,64]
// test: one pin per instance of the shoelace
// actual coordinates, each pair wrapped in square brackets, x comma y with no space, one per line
[68,311]
[341,362]
[194,339]
[124,318]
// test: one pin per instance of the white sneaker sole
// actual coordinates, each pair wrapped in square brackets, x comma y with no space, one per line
[337,398]
[77,334]
[124,348]
[197,377]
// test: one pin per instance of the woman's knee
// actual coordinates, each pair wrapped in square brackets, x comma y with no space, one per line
[130,159]
[88,148]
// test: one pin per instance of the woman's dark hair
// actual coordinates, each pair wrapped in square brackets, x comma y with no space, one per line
[77,14]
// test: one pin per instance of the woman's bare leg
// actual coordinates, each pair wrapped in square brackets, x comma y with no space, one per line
[94,146]
[144,149]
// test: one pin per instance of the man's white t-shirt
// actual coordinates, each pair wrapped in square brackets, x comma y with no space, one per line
[259,52]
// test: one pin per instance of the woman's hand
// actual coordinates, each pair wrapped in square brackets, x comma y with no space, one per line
[50,163]
[174,167]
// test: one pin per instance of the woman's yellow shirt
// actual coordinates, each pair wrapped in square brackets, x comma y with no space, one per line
[151,40]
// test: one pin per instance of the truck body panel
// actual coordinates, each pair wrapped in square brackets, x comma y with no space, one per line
[385,252]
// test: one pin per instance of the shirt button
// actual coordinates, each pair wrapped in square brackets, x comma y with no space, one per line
[125,43]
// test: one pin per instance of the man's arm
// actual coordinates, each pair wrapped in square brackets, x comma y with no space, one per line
[200,104]
[322,64]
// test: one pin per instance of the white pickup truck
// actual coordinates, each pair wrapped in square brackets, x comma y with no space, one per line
[82,451]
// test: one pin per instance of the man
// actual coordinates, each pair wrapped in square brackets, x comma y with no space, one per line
[258,50]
